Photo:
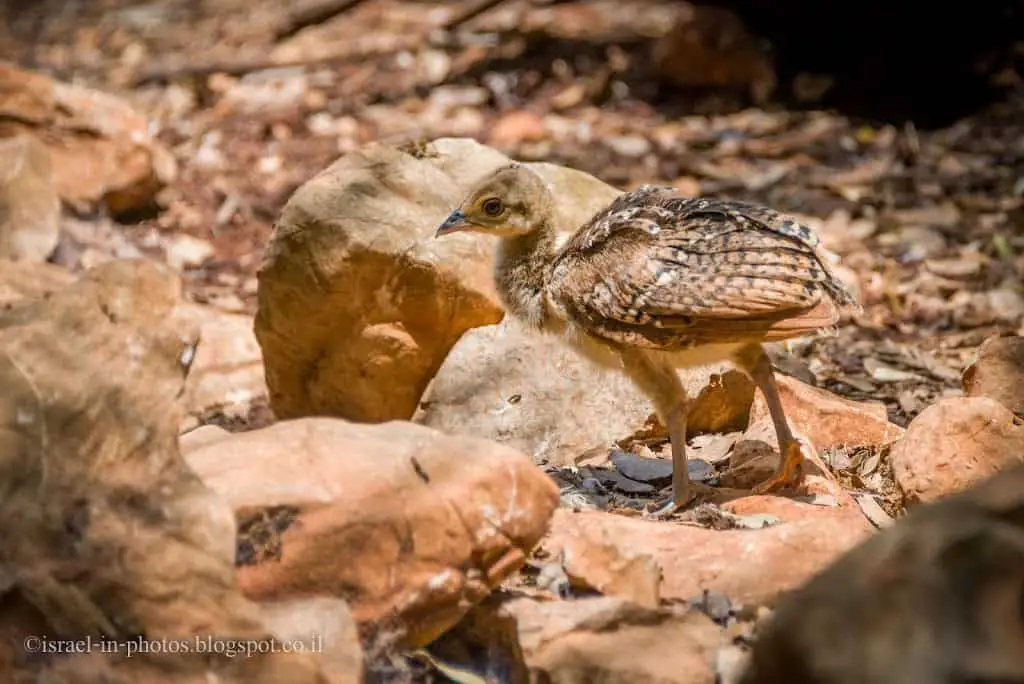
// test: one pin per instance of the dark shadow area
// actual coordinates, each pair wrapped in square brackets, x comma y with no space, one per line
[891,61]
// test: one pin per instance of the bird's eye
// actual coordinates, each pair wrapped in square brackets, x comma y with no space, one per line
[492,207]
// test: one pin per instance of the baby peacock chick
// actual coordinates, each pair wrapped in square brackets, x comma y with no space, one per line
[656,282]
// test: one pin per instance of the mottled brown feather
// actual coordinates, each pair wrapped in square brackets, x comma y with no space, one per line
[658,270]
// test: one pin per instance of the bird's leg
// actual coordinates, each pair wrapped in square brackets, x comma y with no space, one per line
[675,420]
[793,451]
[660,381]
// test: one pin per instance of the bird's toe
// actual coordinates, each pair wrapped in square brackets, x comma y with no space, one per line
[664,512]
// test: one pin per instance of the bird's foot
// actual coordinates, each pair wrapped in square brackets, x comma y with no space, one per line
[664,512]
[824,482]
[791,466]
[791,471]
[669,508]
[809,454]
[772,484]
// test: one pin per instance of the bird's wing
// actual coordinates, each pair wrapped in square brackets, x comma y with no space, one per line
[664,267]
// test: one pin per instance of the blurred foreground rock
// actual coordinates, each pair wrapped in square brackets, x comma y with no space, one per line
[954,444]
[410,526]
[536,394]
[934,599]
[107,532]
[330,620]
[614,641]
[27,279]
[101,149]
[29,203]
[227,372]
[358,303]
[519,639]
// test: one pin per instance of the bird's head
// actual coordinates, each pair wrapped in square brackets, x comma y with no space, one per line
[509,202]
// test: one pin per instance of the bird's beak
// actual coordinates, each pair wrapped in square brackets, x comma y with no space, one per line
[455,222]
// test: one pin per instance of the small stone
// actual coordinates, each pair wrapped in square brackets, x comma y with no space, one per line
[921,242]
[615,480]
[614,570]
[269,164]
[882,373]
[714,604]
[433,65]
[722,404]
[965,267]
[266,92]
[1007,302]
[185,251]
[449,97]
[227,373]
[517,127]
[640,468]
[629,145]
[322,123]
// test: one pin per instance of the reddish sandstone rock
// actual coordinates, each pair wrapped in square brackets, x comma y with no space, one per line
[998,372]
[953,444]
[410,526]
[747,565]
[109,532]
[101,149]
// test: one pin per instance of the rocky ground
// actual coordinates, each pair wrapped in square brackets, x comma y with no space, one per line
[436,492]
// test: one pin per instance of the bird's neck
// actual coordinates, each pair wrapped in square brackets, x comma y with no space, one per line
[522,270]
